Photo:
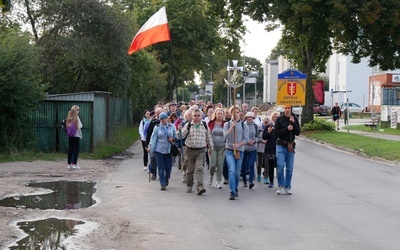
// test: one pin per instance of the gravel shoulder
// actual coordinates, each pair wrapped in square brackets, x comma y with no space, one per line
[99,228]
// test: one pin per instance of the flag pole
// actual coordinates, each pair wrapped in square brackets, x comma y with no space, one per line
[174,70]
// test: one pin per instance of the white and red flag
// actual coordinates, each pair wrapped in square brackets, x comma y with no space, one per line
[155,30]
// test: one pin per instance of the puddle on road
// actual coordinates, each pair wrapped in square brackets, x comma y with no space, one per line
[66,195]
[46,234]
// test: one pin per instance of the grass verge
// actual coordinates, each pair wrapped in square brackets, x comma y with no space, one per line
[378,131]
[389,150]
[122,140]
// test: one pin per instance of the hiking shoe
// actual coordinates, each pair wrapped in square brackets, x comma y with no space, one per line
[280,191]
[271,185]
[210,181]
[163,188]
[288,191]
[251,185]
[266,180]
[245,184]
[232,197]
[201,191]
[226,181]
[259,178]
[218,185]
[188,189]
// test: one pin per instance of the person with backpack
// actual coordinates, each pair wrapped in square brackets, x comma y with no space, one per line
[74,133]
[145,119]
[164,134]
[250,150]
[198,136]
[236,134]
[152,124]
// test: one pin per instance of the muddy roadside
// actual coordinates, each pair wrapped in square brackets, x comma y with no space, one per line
[14,176]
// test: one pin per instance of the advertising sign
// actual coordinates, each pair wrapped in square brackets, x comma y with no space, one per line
[291,88]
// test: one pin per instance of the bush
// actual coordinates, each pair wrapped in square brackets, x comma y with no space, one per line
[319,124]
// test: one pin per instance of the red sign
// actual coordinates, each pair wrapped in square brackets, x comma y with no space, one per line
[291,88]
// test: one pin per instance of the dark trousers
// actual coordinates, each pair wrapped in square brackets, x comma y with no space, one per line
[73,150]
[145,154]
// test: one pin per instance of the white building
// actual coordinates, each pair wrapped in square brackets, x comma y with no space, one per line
[348,80]
[270,81]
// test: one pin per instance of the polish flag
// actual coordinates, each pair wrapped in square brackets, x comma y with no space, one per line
[155,30]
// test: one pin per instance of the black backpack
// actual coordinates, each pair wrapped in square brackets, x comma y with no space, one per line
[64,125]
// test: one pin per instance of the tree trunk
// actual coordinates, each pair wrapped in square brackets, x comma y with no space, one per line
[307,113]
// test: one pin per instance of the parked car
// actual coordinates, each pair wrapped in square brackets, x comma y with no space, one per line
[353,107]
[317,109]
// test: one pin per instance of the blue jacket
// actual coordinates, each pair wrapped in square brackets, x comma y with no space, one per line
[171,130]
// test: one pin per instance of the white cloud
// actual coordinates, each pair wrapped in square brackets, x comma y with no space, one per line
[258,42]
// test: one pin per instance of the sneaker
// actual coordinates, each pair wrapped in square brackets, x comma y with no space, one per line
[259,178]
[183,178]
[210,181]
[76,166]
[69,166]
[271,185]
[288,191]
[218,185]
[145,169]
[166,183]
[251,185]
[163,188]
[226,181]
[266,180]
[153,177]
[188,189]
[245,184]
[201,191]
[280,191]
[232,197]
[237,193]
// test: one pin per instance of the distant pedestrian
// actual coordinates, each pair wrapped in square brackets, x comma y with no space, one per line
[164,134]
[286,129]
[250,150]
[345,114]
[145,119]
[270,150]
[74,140]
[336,113]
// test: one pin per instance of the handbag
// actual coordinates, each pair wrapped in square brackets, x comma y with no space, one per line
[174,150]
[290,147]
[236,154]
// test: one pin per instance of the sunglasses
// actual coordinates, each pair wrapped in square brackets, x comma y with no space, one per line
[197,115]
[287,108]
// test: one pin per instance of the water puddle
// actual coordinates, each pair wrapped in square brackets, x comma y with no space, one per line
[66,195]
[46,234]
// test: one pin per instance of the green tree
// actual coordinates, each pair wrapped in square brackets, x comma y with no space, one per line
[361,28]
[20,89]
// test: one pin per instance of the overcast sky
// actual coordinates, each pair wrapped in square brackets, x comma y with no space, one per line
[259,42]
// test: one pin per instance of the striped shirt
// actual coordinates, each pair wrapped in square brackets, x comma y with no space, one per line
[198,136]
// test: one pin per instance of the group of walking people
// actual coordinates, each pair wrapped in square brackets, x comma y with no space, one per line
[229,142]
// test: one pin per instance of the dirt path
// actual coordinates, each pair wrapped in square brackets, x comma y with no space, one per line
[13,177]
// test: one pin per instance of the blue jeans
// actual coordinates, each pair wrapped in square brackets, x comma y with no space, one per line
[164,164]
[249,159]
[234,167]
[284,157]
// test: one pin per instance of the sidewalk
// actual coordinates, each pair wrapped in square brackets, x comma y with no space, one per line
[389,137]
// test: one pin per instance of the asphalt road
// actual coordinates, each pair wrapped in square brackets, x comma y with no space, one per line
[339,201]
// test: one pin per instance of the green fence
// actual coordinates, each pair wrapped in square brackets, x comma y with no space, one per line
[101,118]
